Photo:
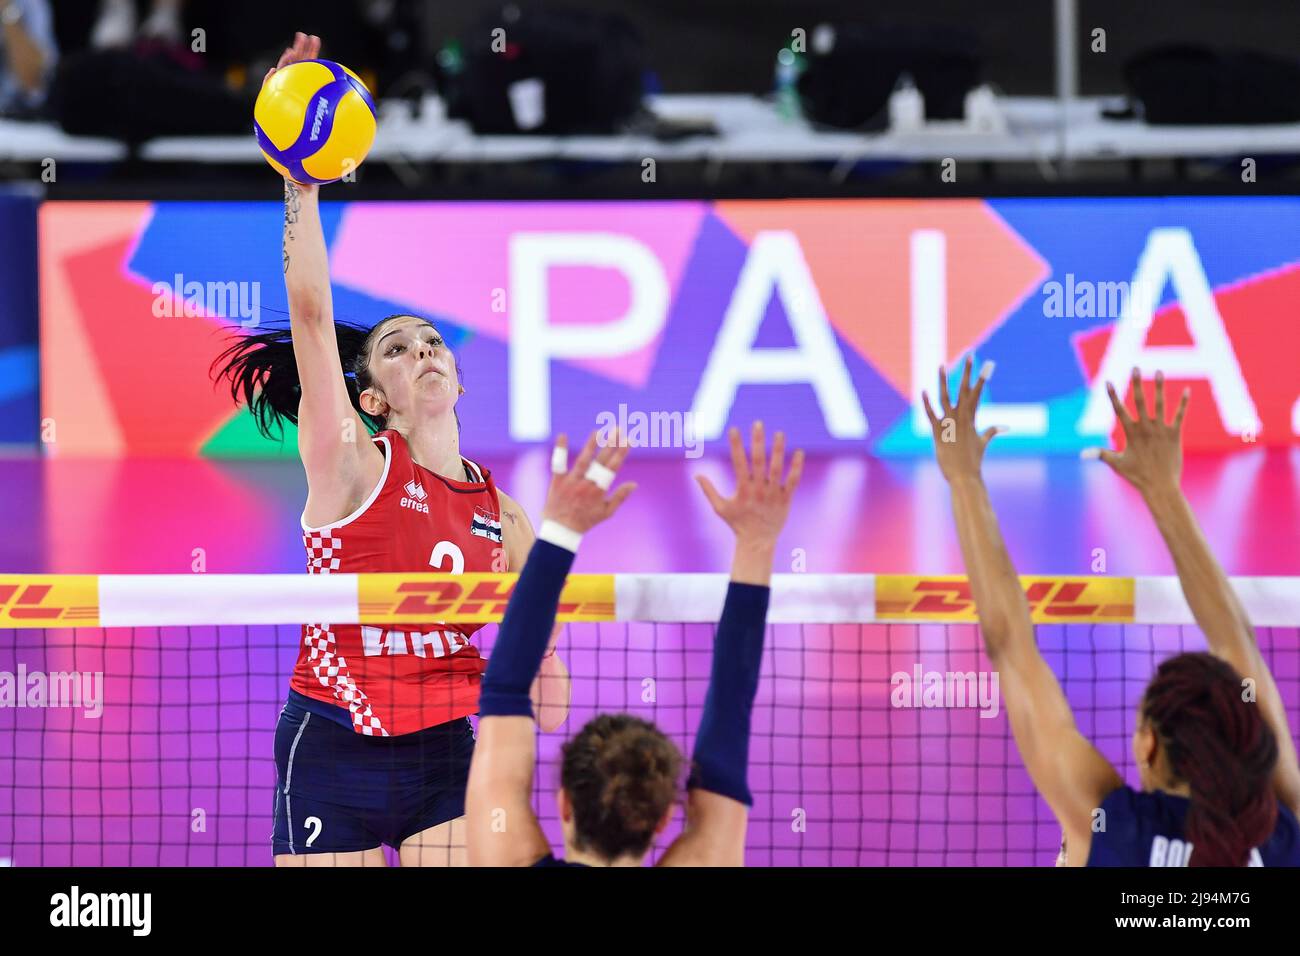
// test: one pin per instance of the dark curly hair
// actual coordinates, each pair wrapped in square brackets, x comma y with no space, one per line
[621,775]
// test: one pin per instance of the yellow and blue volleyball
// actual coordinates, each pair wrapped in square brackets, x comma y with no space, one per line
[314,121]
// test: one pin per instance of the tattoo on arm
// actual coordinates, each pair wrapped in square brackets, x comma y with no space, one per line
[292,210]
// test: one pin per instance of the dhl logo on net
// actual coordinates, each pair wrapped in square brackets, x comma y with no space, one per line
[33,600]
[1056,599]
[419,598]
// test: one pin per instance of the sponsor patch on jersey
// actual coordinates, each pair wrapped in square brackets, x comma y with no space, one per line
[485,525]
[416,497]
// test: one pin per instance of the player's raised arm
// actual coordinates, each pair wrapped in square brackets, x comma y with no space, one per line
[718,796]
[341,470]
[1152,462]
[502,829]
[1070,772]
[552,689]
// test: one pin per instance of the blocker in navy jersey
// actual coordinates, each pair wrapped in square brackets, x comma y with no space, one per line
[1146,829]
[342,792]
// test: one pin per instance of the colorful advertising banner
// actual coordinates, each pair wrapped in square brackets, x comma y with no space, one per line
[674,320]
[1052,599]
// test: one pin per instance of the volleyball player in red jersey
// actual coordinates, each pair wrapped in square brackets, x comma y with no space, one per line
[373,746]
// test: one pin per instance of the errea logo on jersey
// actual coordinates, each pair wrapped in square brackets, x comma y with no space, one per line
[416,497]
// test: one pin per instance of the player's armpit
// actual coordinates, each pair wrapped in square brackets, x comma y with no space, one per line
[1071,774]
[714,834]
[342,464]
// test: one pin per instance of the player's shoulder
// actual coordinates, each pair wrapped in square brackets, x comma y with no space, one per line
[1287,817]
[1283,847]
[477,472]
[1152,807]
[507,502]
[512,513]
[1123,798]
[392,443]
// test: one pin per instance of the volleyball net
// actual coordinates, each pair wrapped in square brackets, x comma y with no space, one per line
[137,712]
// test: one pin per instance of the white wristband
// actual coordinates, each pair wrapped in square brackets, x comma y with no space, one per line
[558,535]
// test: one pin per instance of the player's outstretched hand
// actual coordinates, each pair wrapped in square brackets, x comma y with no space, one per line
[1152,460]
[578,498]
[957,445]
[761,504]
[305,47]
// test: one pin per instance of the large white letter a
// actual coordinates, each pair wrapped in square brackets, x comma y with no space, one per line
[1170,255]
[775,262]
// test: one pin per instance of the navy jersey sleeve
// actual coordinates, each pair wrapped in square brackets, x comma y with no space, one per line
[1283,849]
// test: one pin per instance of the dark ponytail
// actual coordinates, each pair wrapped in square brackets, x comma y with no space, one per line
[1222,748]
[264,375]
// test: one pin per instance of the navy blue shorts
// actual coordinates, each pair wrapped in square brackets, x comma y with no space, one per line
[339,791]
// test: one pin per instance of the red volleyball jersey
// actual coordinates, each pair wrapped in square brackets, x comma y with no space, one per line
[399,681]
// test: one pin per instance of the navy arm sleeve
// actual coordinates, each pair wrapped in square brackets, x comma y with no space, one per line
[525,631]
[721,758]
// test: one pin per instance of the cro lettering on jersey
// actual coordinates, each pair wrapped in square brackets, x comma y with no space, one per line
[386,642]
